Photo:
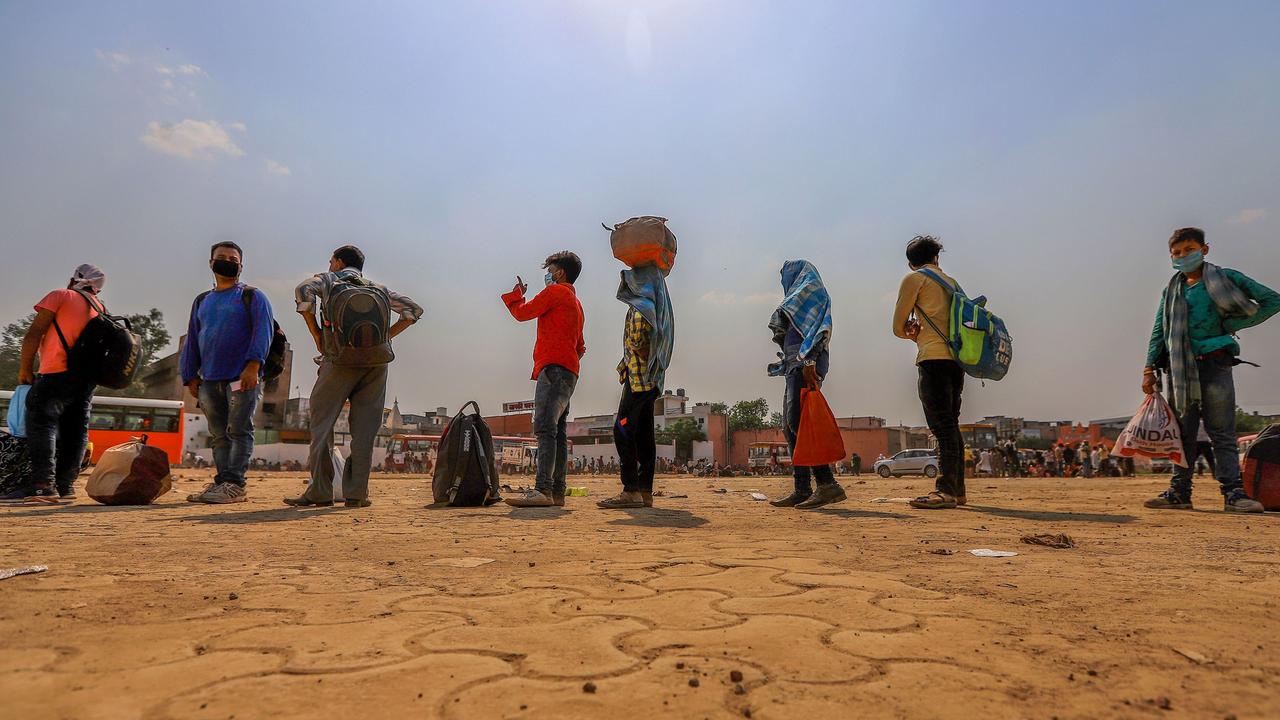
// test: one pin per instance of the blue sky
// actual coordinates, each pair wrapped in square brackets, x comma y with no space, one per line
[1053,147]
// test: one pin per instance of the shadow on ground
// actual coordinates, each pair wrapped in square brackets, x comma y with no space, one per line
[1051,516]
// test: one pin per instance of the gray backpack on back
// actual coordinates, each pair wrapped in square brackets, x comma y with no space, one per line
[356,315]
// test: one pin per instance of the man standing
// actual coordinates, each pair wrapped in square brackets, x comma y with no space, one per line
[58,402]
[1200,311]
[925,296]
[228,336]
[801,326]
[556,355]
[856,461]
[355,350]
[648,335]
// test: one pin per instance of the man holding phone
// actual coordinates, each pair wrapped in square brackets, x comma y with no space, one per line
[556,355]
[228,336]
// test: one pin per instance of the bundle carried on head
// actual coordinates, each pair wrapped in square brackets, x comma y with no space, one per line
[642,241]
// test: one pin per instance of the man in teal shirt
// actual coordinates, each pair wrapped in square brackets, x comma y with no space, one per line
[1200,310]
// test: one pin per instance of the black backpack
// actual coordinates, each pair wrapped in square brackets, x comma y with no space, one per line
[466,470]
[274,364]
[107,352]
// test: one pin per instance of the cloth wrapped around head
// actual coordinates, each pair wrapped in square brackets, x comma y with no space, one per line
[645,289]
[88,277]
[806,306]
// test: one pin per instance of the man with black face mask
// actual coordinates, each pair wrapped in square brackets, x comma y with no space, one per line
[228,337]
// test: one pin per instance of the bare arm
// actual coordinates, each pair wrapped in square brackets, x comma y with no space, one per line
[400,326]
[31,345]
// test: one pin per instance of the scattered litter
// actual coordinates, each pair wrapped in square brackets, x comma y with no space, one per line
[605,530]
[461,562]
[989,553]
[674,497]
[28,570]
[942,551]
[575,491]
[722,490]
[1193,656]
[659,493]
[759,496]
[1061,540]
[1008,585]
[890,500]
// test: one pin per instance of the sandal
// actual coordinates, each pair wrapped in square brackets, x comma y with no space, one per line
[934,501]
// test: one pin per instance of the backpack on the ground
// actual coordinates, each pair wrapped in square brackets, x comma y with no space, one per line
[357,322]
[1261,473]
[644,241]
[979,341]
[274,364]
[466,470]
[107,352]
[131,473]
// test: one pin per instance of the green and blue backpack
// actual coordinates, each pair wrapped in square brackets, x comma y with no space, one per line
[979,341]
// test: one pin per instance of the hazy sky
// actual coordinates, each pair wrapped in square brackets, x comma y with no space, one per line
[1052,146]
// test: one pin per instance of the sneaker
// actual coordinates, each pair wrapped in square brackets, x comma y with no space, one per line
[1238,502]
[647,496]
[530,498]
[824,495]
[1169,500]
[304,502]
[791,500]
[195,496]
[623,500]
[357,503]
[222,494]
[24,496]
[68,495]
[557,499]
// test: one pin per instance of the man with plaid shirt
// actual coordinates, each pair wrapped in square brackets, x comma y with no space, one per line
[646,352]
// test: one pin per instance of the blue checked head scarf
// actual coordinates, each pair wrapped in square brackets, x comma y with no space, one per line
[645,289]
[1231,301]
[806,305]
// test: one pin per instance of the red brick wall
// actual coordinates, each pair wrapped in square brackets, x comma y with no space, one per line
[516,424]
[867,442]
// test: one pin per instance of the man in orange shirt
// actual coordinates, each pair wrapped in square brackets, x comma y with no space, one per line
[58,402]
[556,355]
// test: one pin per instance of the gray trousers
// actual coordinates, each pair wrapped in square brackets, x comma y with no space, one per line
[366,388]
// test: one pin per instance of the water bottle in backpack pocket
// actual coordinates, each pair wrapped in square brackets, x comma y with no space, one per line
[357,322]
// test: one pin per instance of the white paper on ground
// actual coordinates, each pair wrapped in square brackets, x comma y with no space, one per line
[759,496]
[7,573]
[987,552]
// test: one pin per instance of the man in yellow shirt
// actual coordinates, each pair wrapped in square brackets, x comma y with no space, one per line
[922,315]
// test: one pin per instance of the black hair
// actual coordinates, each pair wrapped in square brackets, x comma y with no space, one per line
[226,244]
[1193,234]
[350,256]
[923,249]
[569,262]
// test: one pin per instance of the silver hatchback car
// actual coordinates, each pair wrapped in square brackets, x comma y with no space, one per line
[909,462]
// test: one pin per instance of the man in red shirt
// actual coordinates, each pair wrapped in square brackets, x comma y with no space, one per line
[555,366]
[58,402]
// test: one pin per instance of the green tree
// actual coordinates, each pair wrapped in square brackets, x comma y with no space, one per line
[1247,423]
[681,433]
[719,408]
[11,351]
[776,420]
[149,326]
[749,415]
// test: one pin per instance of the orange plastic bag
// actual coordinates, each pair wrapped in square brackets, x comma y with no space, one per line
[818,439]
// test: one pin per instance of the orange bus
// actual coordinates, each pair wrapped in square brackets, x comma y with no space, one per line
[115,420]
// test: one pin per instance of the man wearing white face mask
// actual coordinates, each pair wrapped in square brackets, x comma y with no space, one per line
[228,336]
[1200,310]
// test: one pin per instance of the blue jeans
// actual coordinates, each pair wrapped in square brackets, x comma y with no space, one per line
[791,414]
[1217,408]
[550,417]
[230,415]
[57,429]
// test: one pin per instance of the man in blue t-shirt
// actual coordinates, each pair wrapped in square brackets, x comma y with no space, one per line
[228,338]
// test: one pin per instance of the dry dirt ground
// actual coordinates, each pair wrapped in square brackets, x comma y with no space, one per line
[261,611]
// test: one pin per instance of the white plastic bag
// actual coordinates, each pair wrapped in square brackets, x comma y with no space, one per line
[1152,433]
[339,466]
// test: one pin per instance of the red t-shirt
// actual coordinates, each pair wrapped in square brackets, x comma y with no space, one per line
[560,319]
[72,314]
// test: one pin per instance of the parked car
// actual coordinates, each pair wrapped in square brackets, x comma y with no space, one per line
[909,462]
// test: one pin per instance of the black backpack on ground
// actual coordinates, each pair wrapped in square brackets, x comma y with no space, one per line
[274,364]
[107,352]
[466,470]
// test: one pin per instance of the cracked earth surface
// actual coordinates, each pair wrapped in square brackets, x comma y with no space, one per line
[256,610]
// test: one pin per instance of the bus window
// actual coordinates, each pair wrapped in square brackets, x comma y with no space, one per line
[136,419]
[164,420]
[106,418]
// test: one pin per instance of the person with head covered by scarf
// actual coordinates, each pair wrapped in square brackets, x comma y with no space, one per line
[801,326]
[58,401]
[648,336]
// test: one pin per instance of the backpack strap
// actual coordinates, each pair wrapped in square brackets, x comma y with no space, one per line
[921,313]
[950,291]
[99,308]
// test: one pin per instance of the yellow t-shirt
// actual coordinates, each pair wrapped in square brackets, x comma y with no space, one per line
[918,289]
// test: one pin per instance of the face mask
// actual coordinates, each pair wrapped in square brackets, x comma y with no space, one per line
[226,268]
[549,279]
[1189,263]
